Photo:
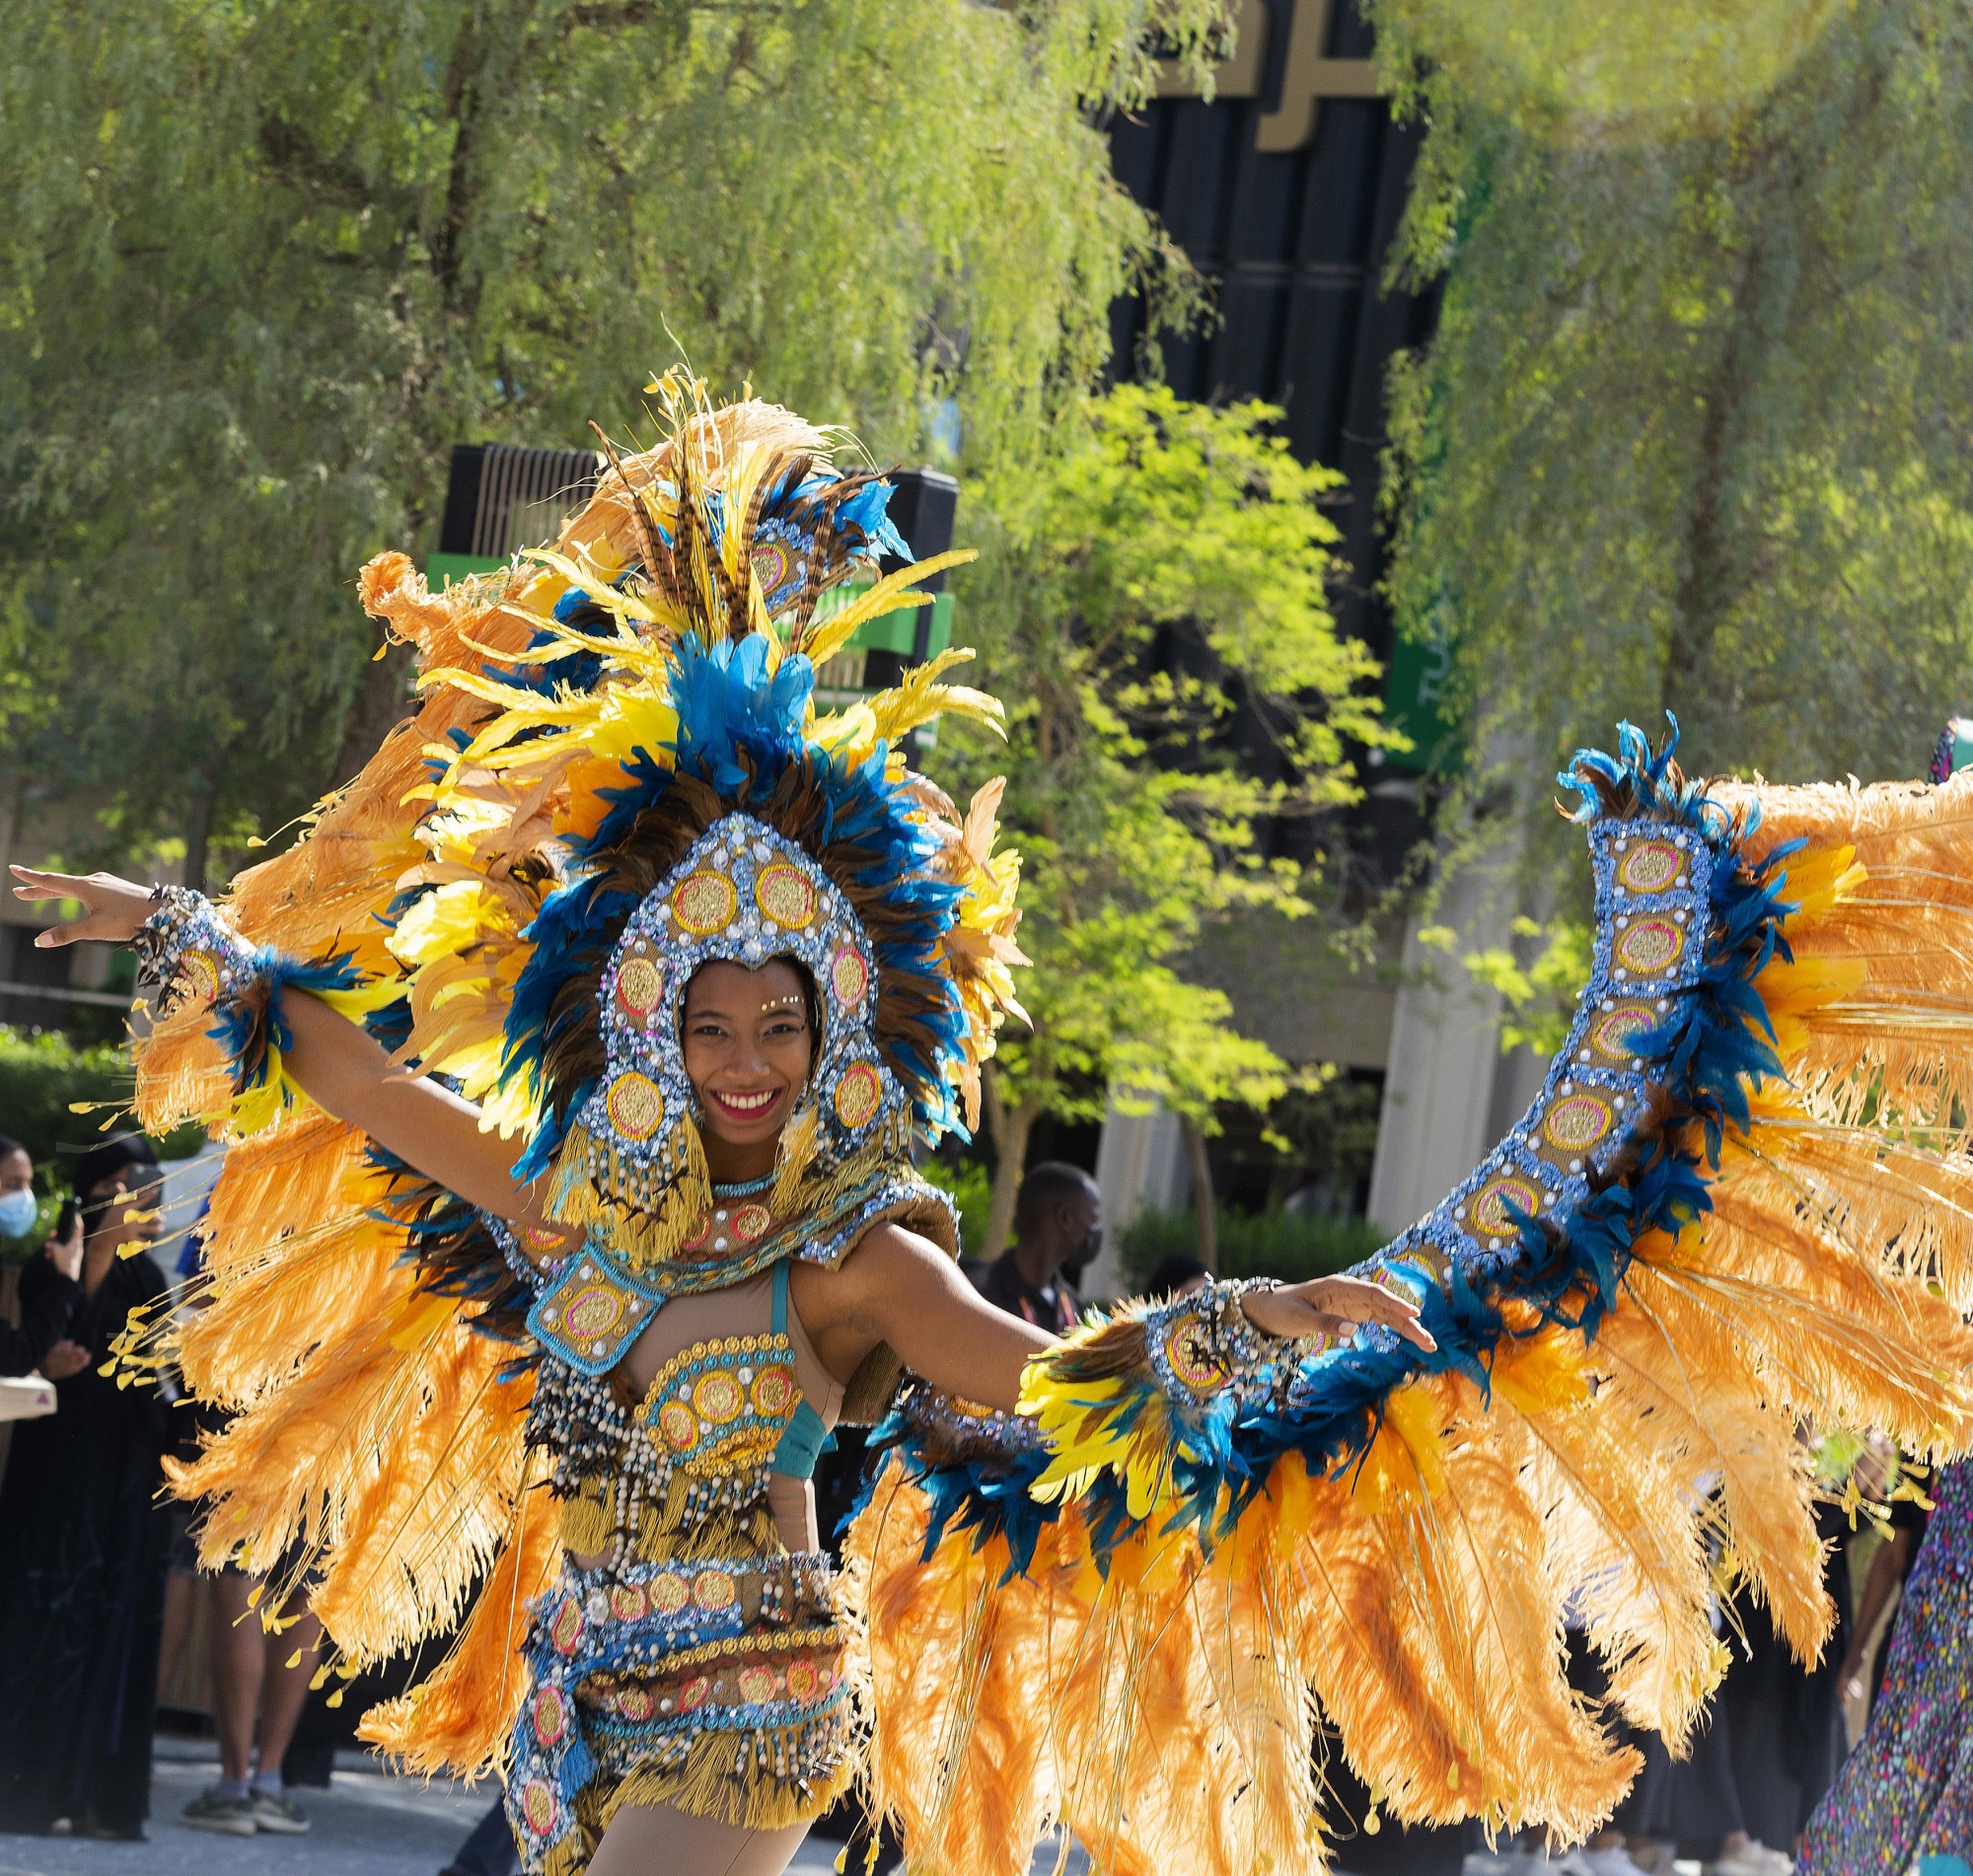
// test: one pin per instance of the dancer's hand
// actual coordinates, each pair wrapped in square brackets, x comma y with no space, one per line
[1334,1306]
[112,908]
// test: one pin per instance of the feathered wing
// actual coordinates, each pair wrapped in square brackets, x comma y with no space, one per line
[362,1327]
[1740,1206]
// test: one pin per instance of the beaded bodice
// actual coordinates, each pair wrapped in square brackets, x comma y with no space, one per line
[715,1450]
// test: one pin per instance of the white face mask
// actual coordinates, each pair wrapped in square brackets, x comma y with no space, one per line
[17,1212]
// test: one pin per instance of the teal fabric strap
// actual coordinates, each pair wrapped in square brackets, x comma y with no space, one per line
[801,1443]
[804,1437]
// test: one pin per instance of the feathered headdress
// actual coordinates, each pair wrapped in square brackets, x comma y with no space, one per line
[656,738]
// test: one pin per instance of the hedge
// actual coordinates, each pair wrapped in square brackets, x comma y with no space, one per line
[1274,1243]
[43,1073]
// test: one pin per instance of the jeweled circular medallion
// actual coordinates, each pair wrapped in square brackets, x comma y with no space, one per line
[705,904]
[636,1108]
[538,1806]
[717,1398]
[713,1589]
[1189,1355]
[858,1095]
[640,985]
[787,895]
[757,1684]
[774,565]
[198,976]
[550,1716]
[802,1680]
[626,1601]
[679,1427]
[771,1391]
[1649,946]
[669,1593]
[635,1702]
[594,1312]
[695,1693]
[1578,1122]
[566,1628]
[751,1222]
[1616,1036]
[1651,866]
[1489,1204]
[850,978]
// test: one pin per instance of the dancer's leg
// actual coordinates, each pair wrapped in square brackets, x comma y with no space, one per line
[653,1839]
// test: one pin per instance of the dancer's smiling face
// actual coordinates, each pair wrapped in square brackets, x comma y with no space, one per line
[748,1047]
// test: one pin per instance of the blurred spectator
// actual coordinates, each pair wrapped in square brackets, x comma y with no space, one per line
[82,1540]
[259,1674]
[1176,1275]
[255,1672]
[49,1297]
[1058,1221]
[1890,1565]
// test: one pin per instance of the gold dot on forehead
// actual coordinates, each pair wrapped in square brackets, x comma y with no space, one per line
[793,1002]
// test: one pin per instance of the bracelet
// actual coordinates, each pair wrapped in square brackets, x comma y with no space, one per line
[190,951]
[950,1431]
[1200,1343]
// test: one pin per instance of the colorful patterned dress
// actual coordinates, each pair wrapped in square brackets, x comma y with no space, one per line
[1907,1792]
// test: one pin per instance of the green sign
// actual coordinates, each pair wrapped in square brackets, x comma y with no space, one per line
[1416,702]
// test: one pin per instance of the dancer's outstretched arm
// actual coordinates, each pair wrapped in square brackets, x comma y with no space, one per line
[901,1289]
[339,1067]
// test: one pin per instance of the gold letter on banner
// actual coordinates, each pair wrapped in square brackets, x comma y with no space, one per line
[1308,78]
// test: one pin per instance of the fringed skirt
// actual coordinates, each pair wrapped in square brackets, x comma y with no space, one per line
[716,1686]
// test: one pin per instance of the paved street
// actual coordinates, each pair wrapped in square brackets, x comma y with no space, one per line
[367,1824]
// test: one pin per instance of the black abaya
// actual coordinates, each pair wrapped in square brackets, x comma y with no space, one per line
[82,1582]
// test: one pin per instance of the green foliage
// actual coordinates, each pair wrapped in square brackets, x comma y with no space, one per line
[42,1076]
[264,263]
[1270,1243]
[1326,1130]
[1541,993]
[967,1182]
[1692,433]
[1165,569]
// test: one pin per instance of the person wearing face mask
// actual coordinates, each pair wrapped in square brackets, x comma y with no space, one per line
[1058,1224]
[82,1539]
[51,1286]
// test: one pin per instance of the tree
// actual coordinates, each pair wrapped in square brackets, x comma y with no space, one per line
[1692,434]
[262,264]
[1151,608]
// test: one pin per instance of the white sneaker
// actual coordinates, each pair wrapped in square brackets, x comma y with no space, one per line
[1611,1863]
[1755,1860]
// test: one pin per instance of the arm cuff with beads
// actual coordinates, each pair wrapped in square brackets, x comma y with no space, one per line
[194,956]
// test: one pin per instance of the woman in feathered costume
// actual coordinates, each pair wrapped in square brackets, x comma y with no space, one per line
[576,1058]
[718,963]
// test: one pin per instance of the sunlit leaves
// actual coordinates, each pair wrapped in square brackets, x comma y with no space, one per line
[1162,577]
[264,263]
[1693,434]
